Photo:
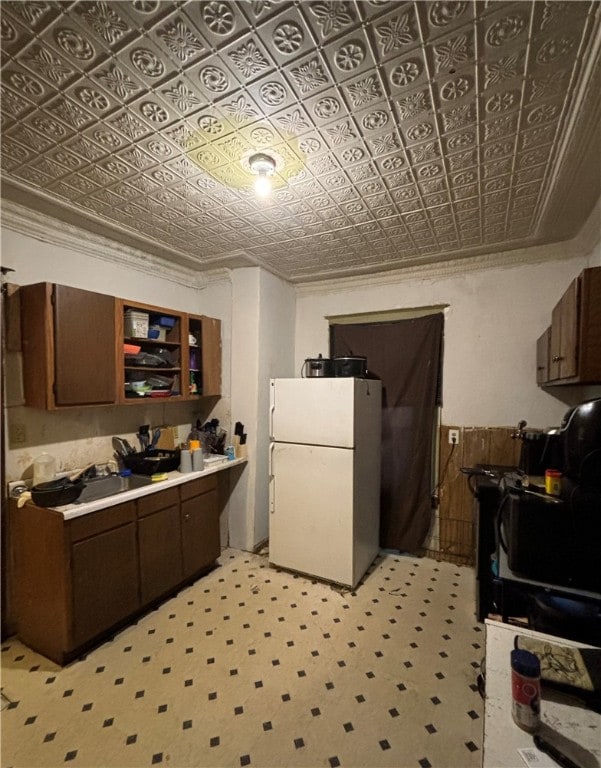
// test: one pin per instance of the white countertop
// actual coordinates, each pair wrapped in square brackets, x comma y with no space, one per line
[502,737]
[70,511]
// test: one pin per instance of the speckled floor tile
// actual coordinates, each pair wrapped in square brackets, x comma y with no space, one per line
[260,667]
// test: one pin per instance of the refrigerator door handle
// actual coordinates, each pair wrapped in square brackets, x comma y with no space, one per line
[271,480]
[271,410]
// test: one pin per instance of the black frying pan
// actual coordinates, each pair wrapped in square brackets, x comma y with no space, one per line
[56,493]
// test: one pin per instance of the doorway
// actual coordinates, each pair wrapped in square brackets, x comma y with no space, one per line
[406,355]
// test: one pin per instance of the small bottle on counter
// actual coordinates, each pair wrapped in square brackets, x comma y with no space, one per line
[125,475]
[553,482]
[525,690]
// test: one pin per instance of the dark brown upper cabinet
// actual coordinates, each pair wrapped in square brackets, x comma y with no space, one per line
[569,352]
[74,355]
[68,342]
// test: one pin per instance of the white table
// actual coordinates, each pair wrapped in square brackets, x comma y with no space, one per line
[503,738]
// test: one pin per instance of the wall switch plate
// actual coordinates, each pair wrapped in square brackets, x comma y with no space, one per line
[453,437]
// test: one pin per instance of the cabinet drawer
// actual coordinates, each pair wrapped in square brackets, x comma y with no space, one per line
[155,501]
[96,522]
[198,486]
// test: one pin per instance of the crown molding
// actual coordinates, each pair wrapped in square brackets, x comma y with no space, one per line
[32,223]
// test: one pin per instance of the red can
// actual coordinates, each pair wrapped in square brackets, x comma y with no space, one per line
[525,690]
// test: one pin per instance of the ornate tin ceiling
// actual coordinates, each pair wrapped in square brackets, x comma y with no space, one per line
[404,133]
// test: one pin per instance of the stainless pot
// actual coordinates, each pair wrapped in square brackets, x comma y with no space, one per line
[350,366]
[318,367]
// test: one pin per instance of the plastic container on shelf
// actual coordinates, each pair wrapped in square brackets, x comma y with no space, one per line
[136,324]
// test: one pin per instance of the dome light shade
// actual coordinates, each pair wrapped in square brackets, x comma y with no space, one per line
[264,166]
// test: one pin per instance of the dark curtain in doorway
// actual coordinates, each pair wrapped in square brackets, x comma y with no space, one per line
[406,355]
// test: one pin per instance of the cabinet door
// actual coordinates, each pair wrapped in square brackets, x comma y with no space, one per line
[200,532]
[160,548]
[104,571]
[542,357]
[564,335]
[84,347]
[203,356]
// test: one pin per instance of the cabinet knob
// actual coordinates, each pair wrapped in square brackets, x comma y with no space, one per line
[186,516]
[557,358]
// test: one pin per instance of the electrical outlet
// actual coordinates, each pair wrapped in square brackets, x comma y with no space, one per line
[17,434]
[453,437]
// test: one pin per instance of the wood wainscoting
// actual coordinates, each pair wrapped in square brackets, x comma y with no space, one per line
[452,536]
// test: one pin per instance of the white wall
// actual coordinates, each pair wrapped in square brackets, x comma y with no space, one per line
[493,320]
[263,309]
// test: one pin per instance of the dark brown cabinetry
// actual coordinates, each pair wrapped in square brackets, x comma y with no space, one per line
[103,573]
[159,534]
[569,352]
[200,524]
[68,339]
[204,356]
[73,350]
[76,580]
[542,357]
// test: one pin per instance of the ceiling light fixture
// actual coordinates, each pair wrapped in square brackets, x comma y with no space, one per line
[264,167]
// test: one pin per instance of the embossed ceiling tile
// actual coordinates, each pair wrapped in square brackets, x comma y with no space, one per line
[148,62]
[340,133]
[220,22]
[549,18]
[349,56]
[505,71]
[137,157]
[326,107]
[14,106]
[121,128]
[34,16]
[70,112]
[30,174]
[443,18]
[413,104]
[26,85]
[498,127]
[453,91]
[44,63]
[287,35]
[97,141]
[403,72]
[105,22]
[72,42]
[48,126]
[248,58]
[308,76]
[328,19]
[180,40]
[272,94]
[555,50]
[396,32]
[453,54]
[503,30]
[117,78]
[143,14]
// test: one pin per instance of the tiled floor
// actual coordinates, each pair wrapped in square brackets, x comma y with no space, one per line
[255,666]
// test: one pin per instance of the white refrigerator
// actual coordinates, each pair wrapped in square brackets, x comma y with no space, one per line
[324,485]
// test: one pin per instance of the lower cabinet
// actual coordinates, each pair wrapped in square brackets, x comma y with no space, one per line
[200,525]
[159,536]
[99,603]
[77,580]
